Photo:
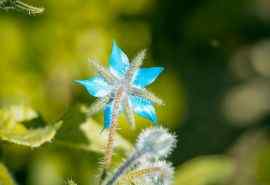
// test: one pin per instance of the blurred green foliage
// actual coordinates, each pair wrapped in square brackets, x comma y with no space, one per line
[216,87]
[5,177]
[205,170]
[70,182]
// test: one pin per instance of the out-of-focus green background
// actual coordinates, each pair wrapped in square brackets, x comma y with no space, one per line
[216,84]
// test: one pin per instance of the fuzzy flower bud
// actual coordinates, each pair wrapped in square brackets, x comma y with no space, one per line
[156,142]
[159,172]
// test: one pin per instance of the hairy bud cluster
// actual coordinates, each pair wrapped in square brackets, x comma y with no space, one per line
[156,142]
[145,165]
[159,172]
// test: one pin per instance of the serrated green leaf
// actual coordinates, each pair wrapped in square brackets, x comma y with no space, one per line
[12,130]
[5,177]
[11,115]
[30,137]
[204,171]
[21,113]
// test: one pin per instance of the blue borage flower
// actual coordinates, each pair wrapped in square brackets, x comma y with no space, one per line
[122,88]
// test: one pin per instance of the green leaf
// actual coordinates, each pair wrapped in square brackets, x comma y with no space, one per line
[204,171]
[82,133]
[98,140]
[18,113]
[30,137]
[5,177]
[70,134]
[21,113]
[12,129]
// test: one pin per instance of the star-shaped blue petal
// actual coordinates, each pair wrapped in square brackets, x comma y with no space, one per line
[118,61]
[145,76]
[121,88]
[144,108]
[108,111]
[96,86]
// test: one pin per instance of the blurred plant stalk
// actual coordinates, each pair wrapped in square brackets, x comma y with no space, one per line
[20,6]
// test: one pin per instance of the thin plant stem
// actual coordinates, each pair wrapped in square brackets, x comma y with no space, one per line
[109,147]
[125,166]
[112,132]
[28,8]
[19,5]
[139,173]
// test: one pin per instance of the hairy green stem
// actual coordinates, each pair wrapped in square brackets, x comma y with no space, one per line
[127,164]
[19,5]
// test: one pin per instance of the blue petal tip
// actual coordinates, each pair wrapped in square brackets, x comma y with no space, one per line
[162,69]
[78,81]
[114,44]
[153,119]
